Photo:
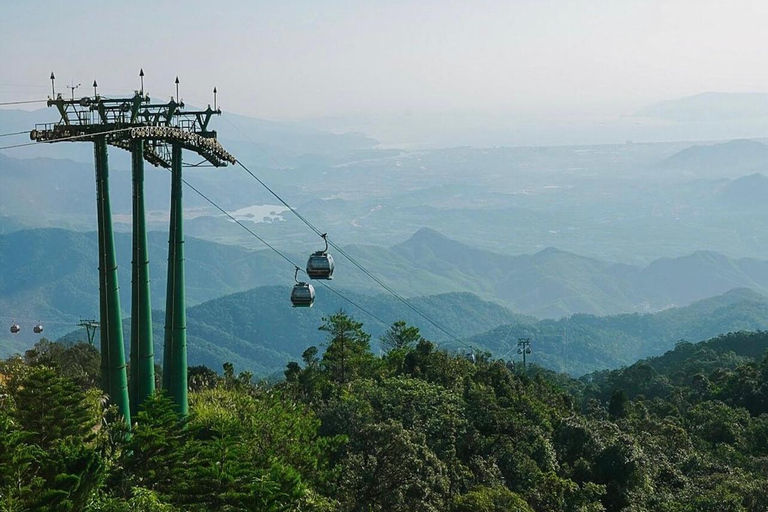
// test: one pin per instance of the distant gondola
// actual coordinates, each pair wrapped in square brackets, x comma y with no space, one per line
[303,294]
[15,328]
[38,328]
[320,264]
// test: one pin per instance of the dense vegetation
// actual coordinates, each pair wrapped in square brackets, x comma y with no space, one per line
[415,429]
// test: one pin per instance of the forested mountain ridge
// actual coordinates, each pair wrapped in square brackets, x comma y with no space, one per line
[260,332]
[688,365]
[548,284]
[49,275]
[248,328]
[583,343]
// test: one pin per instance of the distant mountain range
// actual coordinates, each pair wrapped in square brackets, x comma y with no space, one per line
[710,106]
[747,193]
[258,330]
[731,159]
[51,275]
[553,283]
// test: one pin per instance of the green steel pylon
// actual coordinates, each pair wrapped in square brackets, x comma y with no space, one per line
[142,381]
[175,346]
[113,378]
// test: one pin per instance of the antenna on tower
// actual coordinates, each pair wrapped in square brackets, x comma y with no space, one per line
[215,92]
[53,88]
[95,85]
[72,88]
[177,89]
[141,76]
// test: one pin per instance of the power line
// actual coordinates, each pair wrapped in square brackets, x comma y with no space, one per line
[4,103]
[331,243]
[350,258]
[279,253]
[304,220]
[13,133]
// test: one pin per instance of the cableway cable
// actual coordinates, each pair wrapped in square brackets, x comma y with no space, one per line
[352,259]
[4,103]
[300,217]
[280,253]
[331,243]
[13,133]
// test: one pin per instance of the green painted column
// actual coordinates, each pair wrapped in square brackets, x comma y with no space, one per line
[113,378]
[142,381]
[175,347]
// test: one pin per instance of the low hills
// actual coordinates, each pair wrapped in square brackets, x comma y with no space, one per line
[51,275]
[687,365]
[259,331]
[584,343]
[730,159]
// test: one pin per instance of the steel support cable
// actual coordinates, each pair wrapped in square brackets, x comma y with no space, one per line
[280,253]
[305,221]
[273,248]
[395,294]
[4,103]
[13,133]
[351,259]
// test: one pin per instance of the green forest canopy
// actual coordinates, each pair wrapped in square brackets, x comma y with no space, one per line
[414,429]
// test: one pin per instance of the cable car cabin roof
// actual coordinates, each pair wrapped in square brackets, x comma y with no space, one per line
[320,259]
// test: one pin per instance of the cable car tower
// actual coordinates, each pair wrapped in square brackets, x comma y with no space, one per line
[156,133]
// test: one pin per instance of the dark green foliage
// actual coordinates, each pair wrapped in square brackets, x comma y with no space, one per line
[416,429]
[618,406]
[491,499]
[52,408]
[80,362]
[348,354]
[399,336]
[155,453]
[49,460]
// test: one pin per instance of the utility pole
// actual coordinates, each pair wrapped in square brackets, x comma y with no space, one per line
[524,348]
[90,329]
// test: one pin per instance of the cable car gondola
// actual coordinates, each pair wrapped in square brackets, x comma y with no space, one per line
[15,328]
[470,356]
[320,263]
[303,294]
[38,328]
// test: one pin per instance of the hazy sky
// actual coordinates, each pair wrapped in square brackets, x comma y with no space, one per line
[298,59]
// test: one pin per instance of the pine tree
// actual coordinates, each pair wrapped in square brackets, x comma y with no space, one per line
[348,353]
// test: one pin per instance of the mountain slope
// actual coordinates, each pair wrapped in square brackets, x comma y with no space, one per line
[259,331]
[746,193]
[51,274]
[731,159]
[584,343]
